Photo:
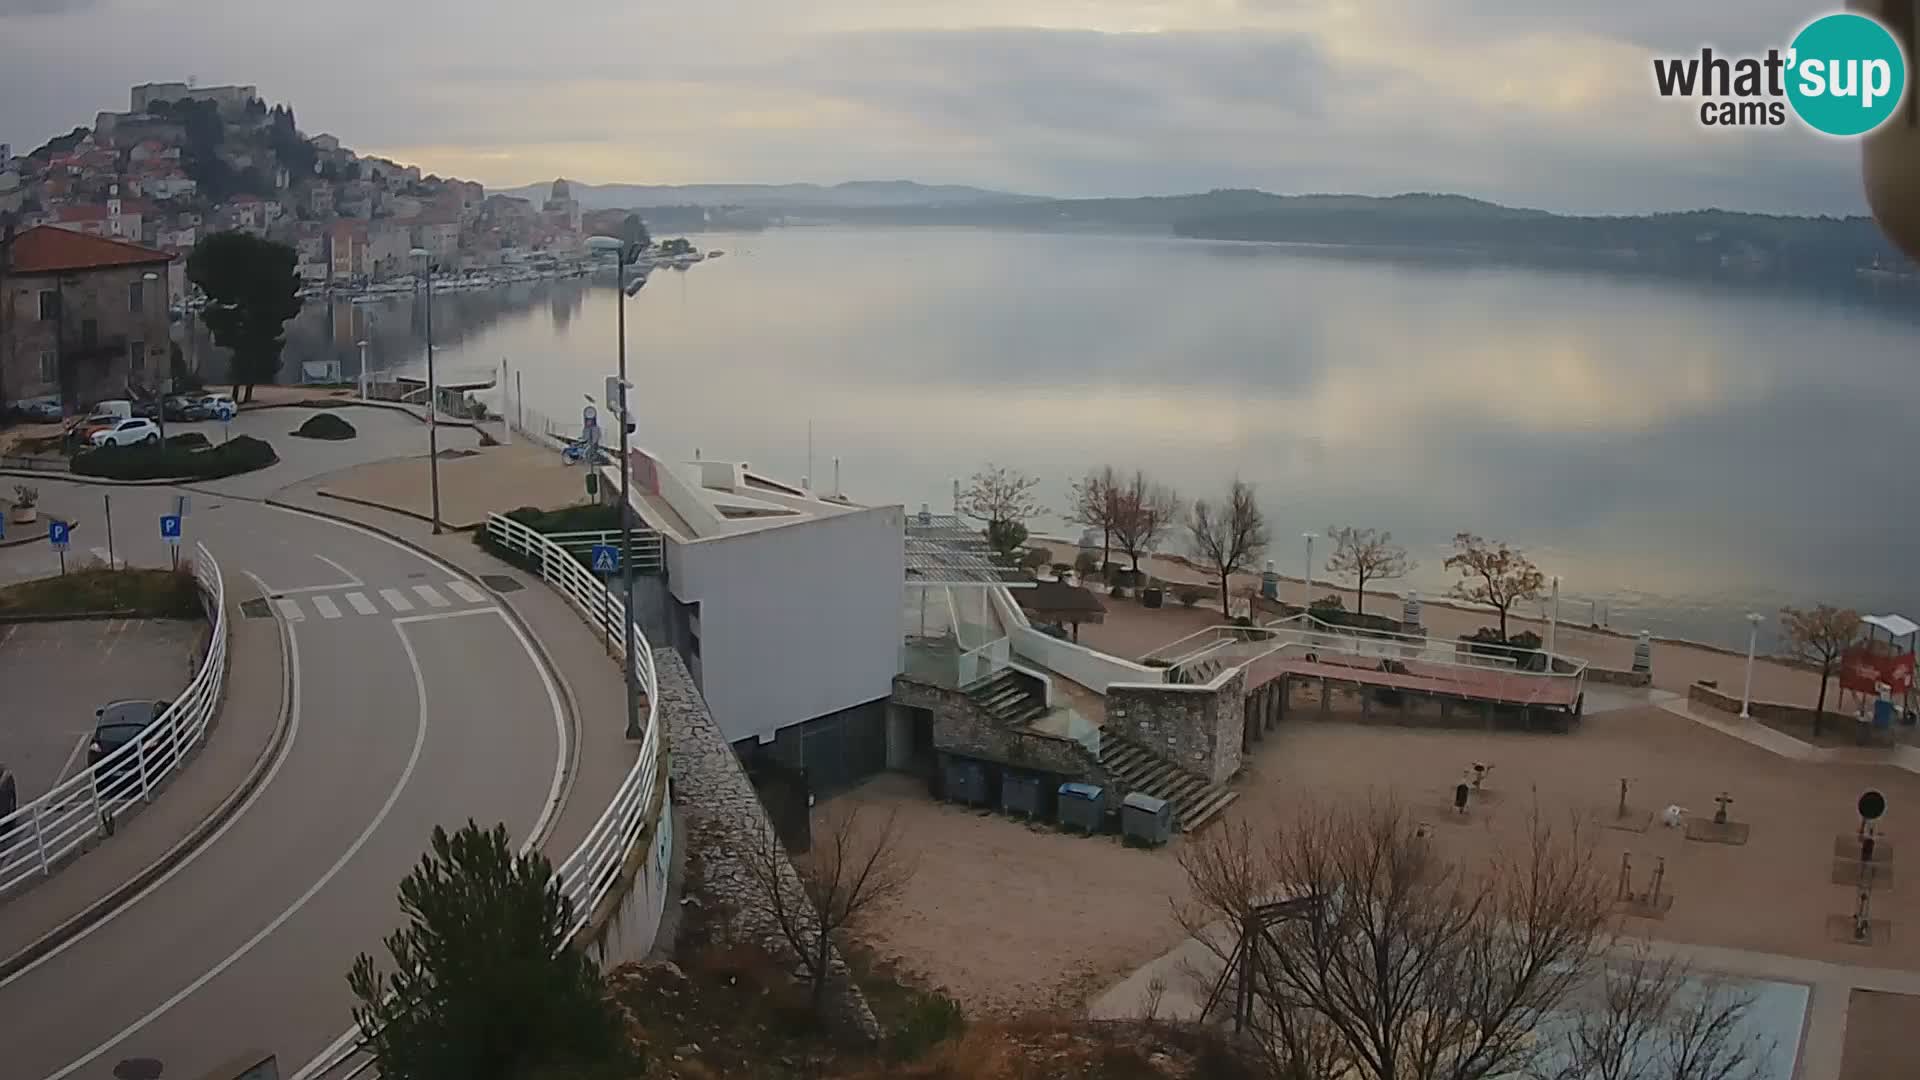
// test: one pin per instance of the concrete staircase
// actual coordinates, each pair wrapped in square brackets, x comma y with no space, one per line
[1195,800]
[1010,698]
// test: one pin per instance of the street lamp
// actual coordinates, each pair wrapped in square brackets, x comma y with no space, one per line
[363,368]
[164,381]
[1754,619]
[423,259]
[1553,622]
[1306,600]
[625,253]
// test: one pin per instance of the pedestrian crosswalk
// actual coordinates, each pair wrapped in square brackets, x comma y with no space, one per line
[325,606]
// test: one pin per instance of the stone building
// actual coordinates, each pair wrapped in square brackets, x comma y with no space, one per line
[82,317]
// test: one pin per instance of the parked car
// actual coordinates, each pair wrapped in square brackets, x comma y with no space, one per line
[128,433]
[147,407]
[183,407]
[118,723]
[44,409]
[220,406]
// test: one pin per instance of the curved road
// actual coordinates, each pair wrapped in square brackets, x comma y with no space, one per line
[415,703]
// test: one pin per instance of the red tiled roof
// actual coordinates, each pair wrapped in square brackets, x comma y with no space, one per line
[46,249]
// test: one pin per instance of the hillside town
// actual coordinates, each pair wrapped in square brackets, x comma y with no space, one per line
[185,161]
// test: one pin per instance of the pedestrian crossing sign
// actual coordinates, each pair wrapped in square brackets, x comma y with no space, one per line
[606,559]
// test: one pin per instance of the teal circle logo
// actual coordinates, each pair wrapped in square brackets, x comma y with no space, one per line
[1846,74]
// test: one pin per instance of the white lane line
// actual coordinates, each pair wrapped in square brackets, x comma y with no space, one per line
[325,606]
[396,599]
[344,572]
[290,649]
[413,759]
[467,592]
[432,596]
[290,609]
[85,738]
[442,616]
[342,1047]
[361,604]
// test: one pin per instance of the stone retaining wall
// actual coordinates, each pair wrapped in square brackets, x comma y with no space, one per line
[1702,694]
[1199,728]
[1619,678]
[719,815]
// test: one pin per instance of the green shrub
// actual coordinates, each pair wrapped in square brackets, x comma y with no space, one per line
[1086,564]
[1035,558]
[190,440]
[932,1018]
[325,426]
[241,454]
[1188,595]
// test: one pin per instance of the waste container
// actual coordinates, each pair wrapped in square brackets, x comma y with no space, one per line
[1146,819]
[966,781]
[1023,794]
[1083,806]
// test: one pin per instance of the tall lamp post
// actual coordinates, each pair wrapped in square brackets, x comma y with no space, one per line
[1306,580]
[424,259]
[1754,619]
[625,253]
[162,382]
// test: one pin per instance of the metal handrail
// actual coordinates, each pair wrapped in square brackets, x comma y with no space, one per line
[40,833]
[589,873]
[1237,646]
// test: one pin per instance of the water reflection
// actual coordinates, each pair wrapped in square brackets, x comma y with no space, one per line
[1684,451]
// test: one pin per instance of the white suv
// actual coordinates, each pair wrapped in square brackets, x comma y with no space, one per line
[128,433]
[219,406]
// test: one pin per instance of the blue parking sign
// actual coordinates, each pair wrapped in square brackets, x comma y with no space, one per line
[606,559]
[170,527]
[57,534]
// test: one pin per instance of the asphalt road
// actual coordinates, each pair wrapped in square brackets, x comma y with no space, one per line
[416,704]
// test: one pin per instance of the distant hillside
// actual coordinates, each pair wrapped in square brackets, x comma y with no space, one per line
[850,195]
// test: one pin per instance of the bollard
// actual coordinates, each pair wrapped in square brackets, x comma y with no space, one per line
[1410,614]
[1643,653]
[1269,583]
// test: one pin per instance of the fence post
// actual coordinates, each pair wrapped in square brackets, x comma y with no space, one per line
[40,843]
[102,821]
[178,711]
[140,755]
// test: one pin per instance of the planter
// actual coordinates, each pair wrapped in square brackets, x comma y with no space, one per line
[23,515]
[1152,597]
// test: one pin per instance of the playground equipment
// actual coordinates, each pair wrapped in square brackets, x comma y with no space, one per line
[1654,901]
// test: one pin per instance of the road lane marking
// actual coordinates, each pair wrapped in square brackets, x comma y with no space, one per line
[290,652]
[442,616]
[432,596]
[396,599]
[361,604]
[326,607]
[343,1047]
[413,760]
[86,737]
[467,592]
[290,609]
[352,579]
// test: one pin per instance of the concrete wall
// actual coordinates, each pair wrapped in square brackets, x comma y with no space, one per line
[1199,728]
[795,621]
[1090,668]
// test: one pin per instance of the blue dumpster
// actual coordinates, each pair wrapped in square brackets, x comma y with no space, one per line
[1083,806]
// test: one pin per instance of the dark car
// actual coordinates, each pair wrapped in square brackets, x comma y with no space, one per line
[147,408]
[183,407]
[117,724]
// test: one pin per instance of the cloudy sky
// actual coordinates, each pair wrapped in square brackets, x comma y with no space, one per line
[1544,103]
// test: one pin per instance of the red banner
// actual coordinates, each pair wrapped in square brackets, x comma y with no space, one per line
[1865,668]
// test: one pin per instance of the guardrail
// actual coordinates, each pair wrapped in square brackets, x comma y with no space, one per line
[649,554]
[588,875]
[42,832]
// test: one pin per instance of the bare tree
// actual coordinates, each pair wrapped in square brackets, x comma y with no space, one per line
[1227,536]
[998,495]
[1403,966]
[1821,636]
[1144,513]
[1091,501]
[1366,555]
[1492,574]
[1655,1019]
[811,903]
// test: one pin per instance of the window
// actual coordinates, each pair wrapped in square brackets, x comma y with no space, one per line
[49,366]
[49,305]
[137,356]
[89,333]
[134,297]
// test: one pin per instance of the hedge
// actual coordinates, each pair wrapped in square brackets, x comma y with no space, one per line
[240,454]
[325,426]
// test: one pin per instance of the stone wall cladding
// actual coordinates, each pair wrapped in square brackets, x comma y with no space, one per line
[1198,728]
[961,728]
[1702,694]
[1619,678]
[719,815]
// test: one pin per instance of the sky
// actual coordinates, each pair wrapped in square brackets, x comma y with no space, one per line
[1542,103]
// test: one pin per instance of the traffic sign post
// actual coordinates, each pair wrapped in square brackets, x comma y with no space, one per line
[606,563]
[170,532]
[58,533]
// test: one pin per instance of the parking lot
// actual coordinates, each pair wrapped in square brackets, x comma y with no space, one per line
[58,673]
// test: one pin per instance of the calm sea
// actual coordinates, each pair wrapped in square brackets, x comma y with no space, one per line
[1678,453]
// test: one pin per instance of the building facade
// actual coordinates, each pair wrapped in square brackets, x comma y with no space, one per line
[82,317]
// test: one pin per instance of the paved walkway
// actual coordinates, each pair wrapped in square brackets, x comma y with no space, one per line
[479,481]
[1758,734]
[238,745]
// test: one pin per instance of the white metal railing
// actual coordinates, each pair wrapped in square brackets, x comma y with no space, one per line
[649,554]
[589,874]
[977,664]
[42,832]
